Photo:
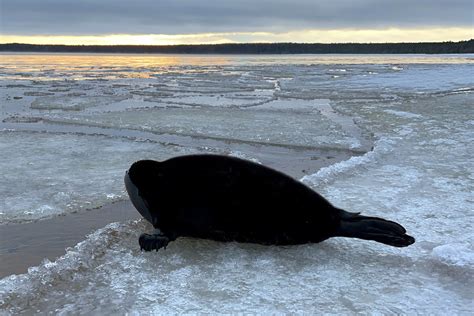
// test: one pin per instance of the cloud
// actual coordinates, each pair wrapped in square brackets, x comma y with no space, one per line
[100,17]
[304,36]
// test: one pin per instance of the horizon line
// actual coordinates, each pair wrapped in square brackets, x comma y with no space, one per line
[243,43]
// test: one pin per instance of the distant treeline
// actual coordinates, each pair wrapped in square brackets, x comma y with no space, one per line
[461,47]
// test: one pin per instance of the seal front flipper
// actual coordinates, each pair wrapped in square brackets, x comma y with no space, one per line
[154,241]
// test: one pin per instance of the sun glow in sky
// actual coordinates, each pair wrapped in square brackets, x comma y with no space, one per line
[304,36]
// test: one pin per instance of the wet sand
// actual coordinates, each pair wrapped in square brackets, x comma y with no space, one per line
[24,245]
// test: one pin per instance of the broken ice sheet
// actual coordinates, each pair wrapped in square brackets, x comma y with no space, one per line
[73,103]
[269,126]
[49,174]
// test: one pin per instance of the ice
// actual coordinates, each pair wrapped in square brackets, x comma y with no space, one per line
[220,100]
[73,103]
[267,126]
[242,155]
[209,277]
[295,105]
[419,79]
[50,174]
[404,114]
[37,93]
[327,174]
[417,109]
[456,254]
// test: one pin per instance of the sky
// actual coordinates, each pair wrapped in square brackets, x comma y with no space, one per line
[164,22]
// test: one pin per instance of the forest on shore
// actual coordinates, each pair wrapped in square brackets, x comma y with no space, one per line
[461,47]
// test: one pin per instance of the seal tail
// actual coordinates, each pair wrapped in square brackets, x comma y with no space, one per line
[373,228]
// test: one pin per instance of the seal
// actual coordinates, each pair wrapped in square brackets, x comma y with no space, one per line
[229,199]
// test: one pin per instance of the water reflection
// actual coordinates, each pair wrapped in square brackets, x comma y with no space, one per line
[44,66]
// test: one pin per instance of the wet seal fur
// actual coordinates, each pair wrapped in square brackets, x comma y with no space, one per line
[229,199]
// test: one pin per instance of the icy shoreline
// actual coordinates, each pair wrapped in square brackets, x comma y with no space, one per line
[419,173]
[83,222]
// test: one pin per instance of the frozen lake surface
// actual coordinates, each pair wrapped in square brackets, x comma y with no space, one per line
[388,136]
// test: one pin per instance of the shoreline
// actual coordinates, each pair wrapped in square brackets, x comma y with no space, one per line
[27,244]
[276,48]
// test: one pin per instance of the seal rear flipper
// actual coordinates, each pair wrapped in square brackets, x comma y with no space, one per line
[373,228]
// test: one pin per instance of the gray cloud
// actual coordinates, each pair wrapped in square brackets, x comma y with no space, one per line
[94,17]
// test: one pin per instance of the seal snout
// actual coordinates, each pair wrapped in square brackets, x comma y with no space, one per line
[409,240]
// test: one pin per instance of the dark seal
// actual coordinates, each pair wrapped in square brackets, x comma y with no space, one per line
[229,199]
